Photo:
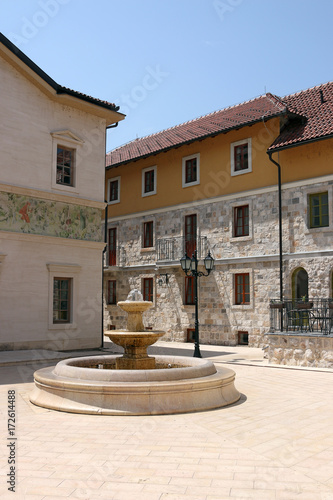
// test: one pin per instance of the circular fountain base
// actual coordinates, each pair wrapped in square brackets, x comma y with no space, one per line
[92,385]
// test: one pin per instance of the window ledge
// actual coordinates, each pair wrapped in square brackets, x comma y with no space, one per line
[242,307]
[235,239]
[324,229]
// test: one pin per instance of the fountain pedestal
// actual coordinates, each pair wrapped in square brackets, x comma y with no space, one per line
[135,339]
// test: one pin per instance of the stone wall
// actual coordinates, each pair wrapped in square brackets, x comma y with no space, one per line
[257,254]
[300,350]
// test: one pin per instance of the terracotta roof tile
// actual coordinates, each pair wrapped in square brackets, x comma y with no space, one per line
[316,105]
[214,123]
[309,119]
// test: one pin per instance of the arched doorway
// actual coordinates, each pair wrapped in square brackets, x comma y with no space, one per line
[300,284]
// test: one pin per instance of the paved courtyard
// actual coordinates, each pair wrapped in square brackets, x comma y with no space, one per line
[275,443]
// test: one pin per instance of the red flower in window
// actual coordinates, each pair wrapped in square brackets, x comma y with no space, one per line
[24,212]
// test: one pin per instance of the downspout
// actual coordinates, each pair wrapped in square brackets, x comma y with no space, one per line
[114,125]
[280,226]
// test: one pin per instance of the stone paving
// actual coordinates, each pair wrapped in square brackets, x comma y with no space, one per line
[276,443]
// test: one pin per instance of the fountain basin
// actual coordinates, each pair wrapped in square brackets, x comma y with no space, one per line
[191,384]
[135,346]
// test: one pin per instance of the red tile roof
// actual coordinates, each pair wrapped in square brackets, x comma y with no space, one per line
[217,122]
[309,119]
[316,105]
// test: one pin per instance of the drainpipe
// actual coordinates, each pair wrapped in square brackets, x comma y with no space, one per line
[280,230]
[113,125]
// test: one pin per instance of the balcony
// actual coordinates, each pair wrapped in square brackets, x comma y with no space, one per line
[173,249]
[313,316]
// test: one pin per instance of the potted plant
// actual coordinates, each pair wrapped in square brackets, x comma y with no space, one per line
[277,304]
[305,304]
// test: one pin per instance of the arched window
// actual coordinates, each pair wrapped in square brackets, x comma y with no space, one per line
[300,284]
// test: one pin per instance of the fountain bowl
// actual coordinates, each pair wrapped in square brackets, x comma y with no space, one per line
[93,385]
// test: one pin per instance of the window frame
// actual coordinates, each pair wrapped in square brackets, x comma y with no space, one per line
[184,160]
[110,181]
[189,296]
[64,271]
[150,280]
[232,290]
[112,252]
[243,293]
[114,292]
[66,140]
[233,146]
[59,299]
[235,221]
[150,243]
[63,166]
[143,180]
[310,206]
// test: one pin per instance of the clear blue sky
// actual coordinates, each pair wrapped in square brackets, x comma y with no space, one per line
[168,61]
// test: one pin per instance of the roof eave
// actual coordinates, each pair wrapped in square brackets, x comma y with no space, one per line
[43,78]
[196,139]
[299,143]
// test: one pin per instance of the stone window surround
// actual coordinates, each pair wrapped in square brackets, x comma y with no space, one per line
[67,139]
[153,277]
[314,190]
[235,239]
[64,271]
[118,178]
[184,159]
[247,141]
[142,248]
[184,214]
[144,170]
[240,270]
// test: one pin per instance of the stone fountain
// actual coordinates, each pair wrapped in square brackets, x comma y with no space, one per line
[135,339]
[134,383]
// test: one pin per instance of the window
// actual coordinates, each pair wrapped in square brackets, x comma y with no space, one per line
[242,288]
[241,157]
[241,221]
[113,190]
[65,166]
[112,292]
[148,292]
[148,234]
[62,300]
[319,210]
[149,181]
[190,234]
[191,170]
[189,291]
[300,284]
[64,285]
[113,246]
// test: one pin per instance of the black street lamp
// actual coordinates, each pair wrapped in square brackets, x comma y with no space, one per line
[190,267]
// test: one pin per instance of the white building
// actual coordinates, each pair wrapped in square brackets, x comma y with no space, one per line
[52,169]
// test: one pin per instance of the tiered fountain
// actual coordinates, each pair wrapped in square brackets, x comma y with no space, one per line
[134,383]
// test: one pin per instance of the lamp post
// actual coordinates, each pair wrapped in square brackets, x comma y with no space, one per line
[190,267]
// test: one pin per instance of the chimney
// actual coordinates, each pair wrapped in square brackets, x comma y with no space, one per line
[322,100]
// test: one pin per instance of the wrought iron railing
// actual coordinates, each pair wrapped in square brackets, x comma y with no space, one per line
[309,316]
[171,249]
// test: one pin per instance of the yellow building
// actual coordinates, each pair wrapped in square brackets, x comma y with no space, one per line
[209,185]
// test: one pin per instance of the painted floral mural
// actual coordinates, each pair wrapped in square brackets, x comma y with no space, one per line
[24,214]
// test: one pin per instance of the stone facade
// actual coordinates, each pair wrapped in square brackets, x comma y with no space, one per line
[221,319]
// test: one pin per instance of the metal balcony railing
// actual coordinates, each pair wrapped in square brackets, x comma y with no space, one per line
[171,249]
[308,316]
